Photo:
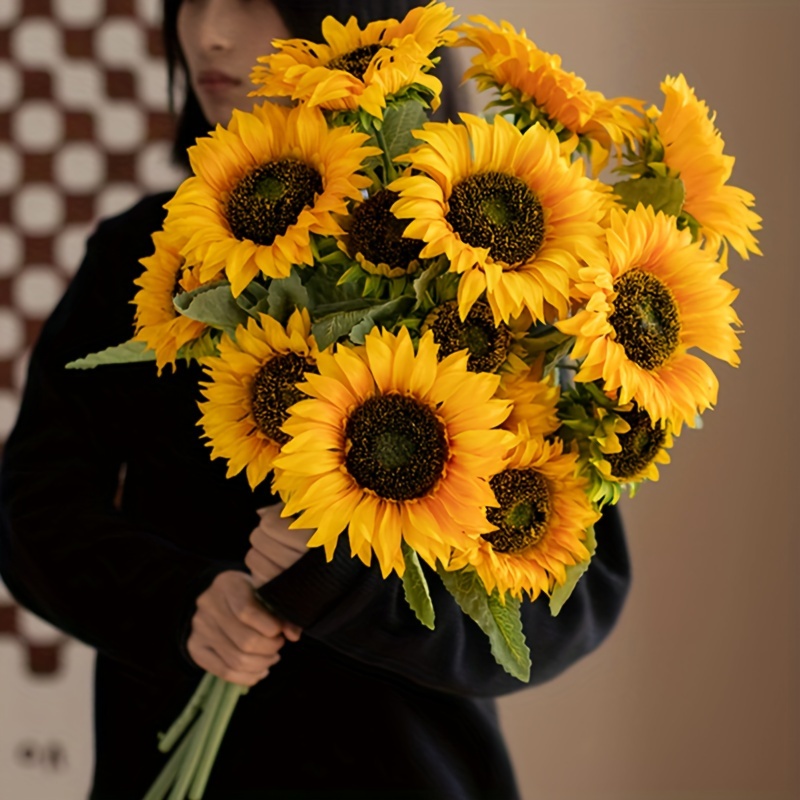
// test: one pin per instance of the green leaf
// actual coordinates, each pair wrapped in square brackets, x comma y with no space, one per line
[415,587]
[662,193]
[500,621]
[331,328]
[384,313]
[398,122]
[324,289]
[561,594]
[126,353]
[285,295]
[422,284]
[214,305]
[254,299]
[556,355]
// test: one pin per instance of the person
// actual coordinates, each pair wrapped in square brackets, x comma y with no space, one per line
[119,529]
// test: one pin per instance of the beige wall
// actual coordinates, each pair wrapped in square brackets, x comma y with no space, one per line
[695,695]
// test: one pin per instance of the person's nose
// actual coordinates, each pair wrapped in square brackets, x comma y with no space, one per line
[216,26]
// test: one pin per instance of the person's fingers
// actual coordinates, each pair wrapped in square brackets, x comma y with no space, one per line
[291,631]
[231,593]
[234,635]
[243,605]
[209,660]
[262,569]
[208,633]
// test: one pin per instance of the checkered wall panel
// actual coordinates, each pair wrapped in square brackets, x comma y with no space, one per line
[84,132]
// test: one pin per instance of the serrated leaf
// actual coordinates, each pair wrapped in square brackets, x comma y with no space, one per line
[561,593]
[415,587]
[398,122]
[501,622]
[423,282]
[254,299]
[129,352]
[662,193]
[213,305]
[285,295]
[384,313]
[323,288]
[332,327]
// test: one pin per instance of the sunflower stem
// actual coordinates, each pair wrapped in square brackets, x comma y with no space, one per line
[388,166]
[168,739]
[199,735]
[222,715]
[161,785]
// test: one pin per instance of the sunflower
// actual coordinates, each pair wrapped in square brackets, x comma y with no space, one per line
[394,445]
[526,76]
[533,398]
[515,220]
[252,384]
[540,522]
[662,296]
[488,345]
[619,447]
[261,187]
[693,149]
[359,69]
[157,322]
[374,238]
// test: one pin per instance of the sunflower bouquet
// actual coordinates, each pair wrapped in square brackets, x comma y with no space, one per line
[452,342]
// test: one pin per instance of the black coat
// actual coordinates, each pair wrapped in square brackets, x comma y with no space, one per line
[368,704]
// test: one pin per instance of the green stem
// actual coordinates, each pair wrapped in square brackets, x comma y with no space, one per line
[168,739]
[222,716]
[162,783]
[199,735]
[391,172]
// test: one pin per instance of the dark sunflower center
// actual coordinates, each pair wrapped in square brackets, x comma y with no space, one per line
[357,61]
[377,234]
[645,319]
[488,344]
[270,198]
[523,513]
[640,445]
[275,390]
[176,286]
[396,447]
[498,211]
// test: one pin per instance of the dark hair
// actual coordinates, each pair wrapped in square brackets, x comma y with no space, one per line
[303,18]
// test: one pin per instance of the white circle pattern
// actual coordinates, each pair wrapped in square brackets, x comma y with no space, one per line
[69,246]
[78,85]
[85,14]
[36,42]
[79,167]
[10,86]
[37,208]
[119,44]
[39,125]
[10,252]
[36,290]
[12,333]
[119,126]
[10,167]
[86,133]
[9,11]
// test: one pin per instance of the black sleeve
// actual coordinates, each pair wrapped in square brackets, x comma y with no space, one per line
[352,609]
[66,552]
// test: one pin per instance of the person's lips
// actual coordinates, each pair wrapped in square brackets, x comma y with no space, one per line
[215,80]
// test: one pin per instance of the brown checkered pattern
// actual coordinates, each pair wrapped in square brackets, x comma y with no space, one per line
[84,132]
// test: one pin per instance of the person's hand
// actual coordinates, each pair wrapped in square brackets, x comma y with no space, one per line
[233,636]
[275,547]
